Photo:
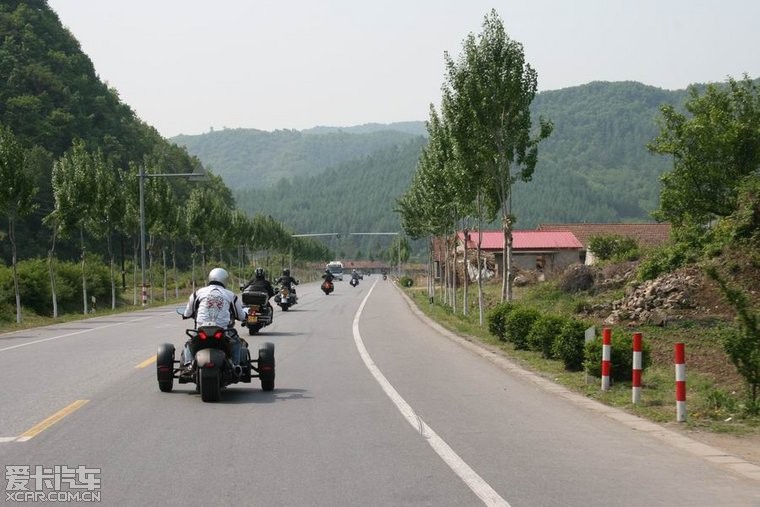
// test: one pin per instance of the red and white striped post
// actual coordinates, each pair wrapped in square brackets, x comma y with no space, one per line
[144,296]
[636,384]
[680,359]
[606,357]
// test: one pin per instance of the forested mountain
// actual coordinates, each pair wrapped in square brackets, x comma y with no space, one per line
[51,96]
[259,159]
[416,128]
[595,166]
[356,196]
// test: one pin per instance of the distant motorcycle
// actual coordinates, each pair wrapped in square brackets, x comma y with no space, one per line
[259,313]
[327,287]
[385,277]
[286,298]
[354,282]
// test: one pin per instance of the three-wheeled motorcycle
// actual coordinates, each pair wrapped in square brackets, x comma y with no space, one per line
[211,368]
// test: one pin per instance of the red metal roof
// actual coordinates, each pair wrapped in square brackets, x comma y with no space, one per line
[525,240]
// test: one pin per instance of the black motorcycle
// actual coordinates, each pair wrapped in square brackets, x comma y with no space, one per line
[286,297]
[354,281]
[257,309]
[211,368]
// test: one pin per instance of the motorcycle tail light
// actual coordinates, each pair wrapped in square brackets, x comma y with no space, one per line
[202,335]
[210,364]
[218,335]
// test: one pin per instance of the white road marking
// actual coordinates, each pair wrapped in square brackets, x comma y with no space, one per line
[476,483]
[7,439]
[81,331]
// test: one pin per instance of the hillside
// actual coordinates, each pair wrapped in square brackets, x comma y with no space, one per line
[250,158]
[595,167]
[356,196]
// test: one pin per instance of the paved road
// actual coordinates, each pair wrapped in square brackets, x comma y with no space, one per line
[372,407]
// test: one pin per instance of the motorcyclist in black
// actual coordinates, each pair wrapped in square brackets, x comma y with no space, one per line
[260,283]
[287,281]
[328,276]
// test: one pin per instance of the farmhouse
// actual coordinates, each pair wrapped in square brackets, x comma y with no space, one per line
[544,251]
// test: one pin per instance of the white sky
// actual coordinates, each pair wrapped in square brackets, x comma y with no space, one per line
[188,65]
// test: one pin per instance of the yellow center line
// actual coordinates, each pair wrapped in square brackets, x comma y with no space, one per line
[147,362]
[42,426]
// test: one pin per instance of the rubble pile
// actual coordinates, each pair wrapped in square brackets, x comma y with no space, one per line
[653,301]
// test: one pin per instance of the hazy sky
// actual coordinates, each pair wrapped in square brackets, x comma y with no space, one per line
[186,66]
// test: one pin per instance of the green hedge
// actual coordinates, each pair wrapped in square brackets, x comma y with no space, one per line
[518,325]
[622,356]
[497,319]
[569,344]
[544,332]
[34,287]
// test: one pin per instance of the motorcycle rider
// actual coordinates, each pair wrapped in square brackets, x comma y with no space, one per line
[328,276]
[287,281]
[215,304]
[354,277]
[260,283]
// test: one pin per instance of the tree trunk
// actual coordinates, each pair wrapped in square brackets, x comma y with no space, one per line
[454,256]
[134,275]
[12,237]
[113,273]
[174,269]
[481,303]
[166,274]
[51,269]
[193,275]
[84,275]
[431,270]
[465,285]
[150,268]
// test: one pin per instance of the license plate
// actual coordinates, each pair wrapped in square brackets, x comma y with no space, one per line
[252,319]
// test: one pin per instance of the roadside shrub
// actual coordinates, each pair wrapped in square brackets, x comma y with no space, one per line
[34,285]
[613,247]
[543,333]
[405,281]
[569,344]
[518,325]
[497,319]
[622,356]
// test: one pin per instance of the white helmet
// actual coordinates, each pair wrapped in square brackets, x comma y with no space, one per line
[219,275]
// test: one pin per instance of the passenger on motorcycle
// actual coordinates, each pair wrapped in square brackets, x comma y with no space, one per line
[260,283]
[215,304]
[328,276]
[287,281]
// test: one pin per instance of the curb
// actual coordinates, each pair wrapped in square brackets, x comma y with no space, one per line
[672,438]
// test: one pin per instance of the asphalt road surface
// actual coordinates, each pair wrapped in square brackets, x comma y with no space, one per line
[372,406]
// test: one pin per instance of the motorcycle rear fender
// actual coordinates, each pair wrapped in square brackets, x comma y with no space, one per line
[214,356]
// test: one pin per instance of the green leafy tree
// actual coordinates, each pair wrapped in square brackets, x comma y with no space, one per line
[613,246]
[495,86]
[713,149]
[743,347]
[16,195]
[73,189]
[107,211]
